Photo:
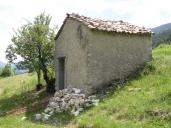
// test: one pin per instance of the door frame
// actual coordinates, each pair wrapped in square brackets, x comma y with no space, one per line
[61,60]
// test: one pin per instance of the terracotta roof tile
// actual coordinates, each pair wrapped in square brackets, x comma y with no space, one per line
[109,25]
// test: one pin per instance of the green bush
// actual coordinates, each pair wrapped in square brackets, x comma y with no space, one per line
[149,68]
[7,71]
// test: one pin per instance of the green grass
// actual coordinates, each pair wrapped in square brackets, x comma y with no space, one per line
[17,92]
[143,102]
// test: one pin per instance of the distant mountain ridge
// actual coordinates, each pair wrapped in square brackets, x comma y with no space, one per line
[161,28]
[162,34]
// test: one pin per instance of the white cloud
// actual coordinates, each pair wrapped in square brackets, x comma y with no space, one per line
[149,13]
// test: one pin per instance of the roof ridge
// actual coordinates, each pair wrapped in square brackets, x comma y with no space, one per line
[110,25]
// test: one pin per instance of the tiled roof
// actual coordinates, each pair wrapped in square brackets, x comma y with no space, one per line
[109,25]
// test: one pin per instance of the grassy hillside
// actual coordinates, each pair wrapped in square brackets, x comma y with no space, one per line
[144,102]
[17,98]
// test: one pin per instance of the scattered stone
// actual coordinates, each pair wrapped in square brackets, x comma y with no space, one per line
[23,118]
[80,109]
[95,102]
[76,113]
[92,97]
[38,116]
[45,117]
[88,105]
[47,110]
[51,112]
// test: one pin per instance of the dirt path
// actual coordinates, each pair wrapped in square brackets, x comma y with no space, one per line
[26,109]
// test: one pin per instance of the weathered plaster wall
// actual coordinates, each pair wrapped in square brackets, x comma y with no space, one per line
[94,58]
[115,56]
[71,44]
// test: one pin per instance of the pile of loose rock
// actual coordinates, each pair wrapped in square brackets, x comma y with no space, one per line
[67,100]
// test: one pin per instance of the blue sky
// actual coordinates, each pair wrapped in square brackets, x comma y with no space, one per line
[14,13]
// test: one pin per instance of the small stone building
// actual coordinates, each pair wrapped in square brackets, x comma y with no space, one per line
[90,53]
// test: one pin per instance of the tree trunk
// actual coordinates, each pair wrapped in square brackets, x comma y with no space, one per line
[50,87]
[38,76]
[39,85]
[50,83]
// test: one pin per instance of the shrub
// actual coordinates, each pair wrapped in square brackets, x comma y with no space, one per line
[7,71]
[149,67]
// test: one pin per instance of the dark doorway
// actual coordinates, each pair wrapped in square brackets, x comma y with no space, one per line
[61,70]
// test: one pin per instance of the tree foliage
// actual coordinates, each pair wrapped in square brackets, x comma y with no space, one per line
[34,43]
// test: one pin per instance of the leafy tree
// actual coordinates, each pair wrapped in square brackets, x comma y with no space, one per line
[34,42]
[7,71]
